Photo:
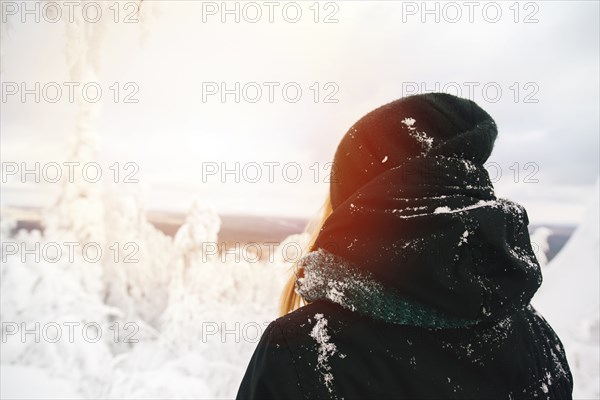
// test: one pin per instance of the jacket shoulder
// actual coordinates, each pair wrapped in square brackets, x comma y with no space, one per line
[286,356]
[271,372]
[301,315]
[311,333]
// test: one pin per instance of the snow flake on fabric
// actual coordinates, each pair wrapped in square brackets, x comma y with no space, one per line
[422,138]
[326,350]
[483,342]
[463,238]
[409,121]
[328,276]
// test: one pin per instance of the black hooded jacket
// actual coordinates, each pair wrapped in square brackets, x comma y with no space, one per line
[517,357]
[420,280]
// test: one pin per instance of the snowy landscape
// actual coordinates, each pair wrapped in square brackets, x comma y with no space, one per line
[97,301]
[181,323]
[175,323]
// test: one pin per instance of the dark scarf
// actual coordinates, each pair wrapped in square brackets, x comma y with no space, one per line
[422,240]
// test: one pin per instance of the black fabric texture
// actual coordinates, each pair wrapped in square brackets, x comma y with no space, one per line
[419,282]
[415,211]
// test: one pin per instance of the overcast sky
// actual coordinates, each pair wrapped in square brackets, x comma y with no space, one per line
[547,112]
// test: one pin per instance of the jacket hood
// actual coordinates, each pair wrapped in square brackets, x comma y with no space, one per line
[425,241]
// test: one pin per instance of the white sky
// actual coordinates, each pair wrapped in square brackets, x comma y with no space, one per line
[370,54]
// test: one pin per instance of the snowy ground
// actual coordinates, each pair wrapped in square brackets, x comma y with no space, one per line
[181,323]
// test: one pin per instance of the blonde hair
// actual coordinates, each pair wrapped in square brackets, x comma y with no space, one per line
[290,300]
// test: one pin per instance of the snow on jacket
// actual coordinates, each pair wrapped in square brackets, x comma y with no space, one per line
[323,350]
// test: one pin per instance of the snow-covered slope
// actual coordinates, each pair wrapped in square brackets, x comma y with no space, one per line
[569,299]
